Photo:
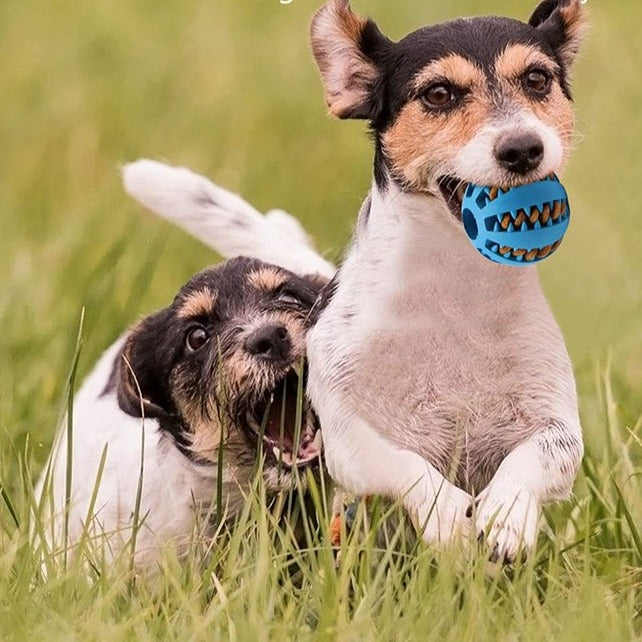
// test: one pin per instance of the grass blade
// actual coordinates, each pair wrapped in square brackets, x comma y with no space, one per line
[70,432]
[637,539]
[9,504]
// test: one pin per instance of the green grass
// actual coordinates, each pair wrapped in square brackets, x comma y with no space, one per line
[229,89]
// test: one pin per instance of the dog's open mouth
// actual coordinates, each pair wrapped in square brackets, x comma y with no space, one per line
[453,191]
[530,218]
[286,424]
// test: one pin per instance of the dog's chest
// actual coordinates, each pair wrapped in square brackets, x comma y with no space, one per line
[440,359]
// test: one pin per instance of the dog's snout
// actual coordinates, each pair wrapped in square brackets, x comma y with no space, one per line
[520,153]
[271,342]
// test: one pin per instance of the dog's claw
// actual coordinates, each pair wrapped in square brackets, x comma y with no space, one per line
[506,519]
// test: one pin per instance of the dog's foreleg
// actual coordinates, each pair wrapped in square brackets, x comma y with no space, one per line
[362,461]
[540,469]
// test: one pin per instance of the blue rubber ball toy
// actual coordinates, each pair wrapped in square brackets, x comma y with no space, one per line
[517,226]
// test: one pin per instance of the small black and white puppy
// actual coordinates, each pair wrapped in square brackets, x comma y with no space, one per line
[221,367]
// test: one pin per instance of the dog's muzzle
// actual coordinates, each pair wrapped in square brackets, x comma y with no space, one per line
[284,422]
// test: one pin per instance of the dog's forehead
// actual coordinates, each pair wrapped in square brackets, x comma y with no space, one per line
[480,40]
[229,287]
[231,279]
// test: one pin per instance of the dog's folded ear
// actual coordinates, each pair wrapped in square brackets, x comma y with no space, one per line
[139,371]
[347,50]
[564,23]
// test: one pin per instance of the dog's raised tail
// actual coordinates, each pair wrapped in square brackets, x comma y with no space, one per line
[222,220]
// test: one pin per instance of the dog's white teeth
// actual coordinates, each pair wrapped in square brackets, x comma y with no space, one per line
[317,442]
[282,456]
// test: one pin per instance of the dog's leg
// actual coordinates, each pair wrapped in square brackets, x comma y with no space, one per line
[540,469]
[363,462]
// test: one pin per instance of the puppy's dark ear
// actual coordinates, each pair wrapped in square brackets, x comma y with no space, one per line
[141,372]
[346,49]
[564,24]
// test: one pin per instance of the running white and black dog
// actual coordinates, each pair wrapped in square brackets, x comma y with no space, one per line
[218,368]
[439,377]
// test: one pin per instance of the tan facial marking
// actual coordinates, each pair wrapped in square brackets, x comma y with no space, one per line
[266,279]
[205,438]
[454,68]
[198,303]
[419,141]
[516,59]
[557,112]
[556,109]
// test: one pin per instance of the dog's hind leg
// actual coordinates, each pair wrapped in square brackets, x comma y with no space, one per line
[540,469]
[223,220]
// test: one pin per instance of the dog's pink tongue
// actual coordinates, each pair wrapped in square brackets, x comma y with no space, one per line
[281,425]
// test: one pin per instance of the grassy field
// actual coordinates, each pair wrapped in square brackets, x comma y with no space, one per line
[229,89]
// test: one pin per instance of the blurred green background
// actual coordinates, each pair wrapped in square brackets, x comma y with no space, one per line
[229,89]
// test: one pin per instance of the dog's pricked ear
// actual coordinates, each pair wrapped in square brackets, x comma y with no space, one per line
[139,385]
[564,23]
[346,49]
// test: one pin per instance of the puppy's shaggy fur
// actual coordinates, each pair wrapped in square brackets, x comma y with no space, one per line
[220,367]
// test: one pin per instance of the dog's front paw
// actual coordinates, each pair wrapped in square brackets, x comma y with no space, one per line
[505,518]
[443,519]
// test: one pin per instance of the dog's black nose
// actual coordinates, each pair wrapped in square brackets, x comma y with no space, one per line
[271,342]
[520,153]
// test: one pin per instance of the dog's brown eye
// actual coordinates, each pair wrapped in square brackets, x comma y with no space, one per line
[196,338]
[439,95]
[537,81]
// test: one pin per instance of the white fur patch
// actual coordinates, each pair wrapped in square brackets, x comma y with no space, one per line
[476,163]
[222,220]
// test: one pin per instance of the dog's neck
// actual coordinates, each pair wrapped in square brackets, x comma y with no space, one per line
[415,238]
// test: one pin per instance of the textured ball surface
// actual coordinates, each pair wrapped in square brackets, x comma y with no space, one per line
[518,226]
